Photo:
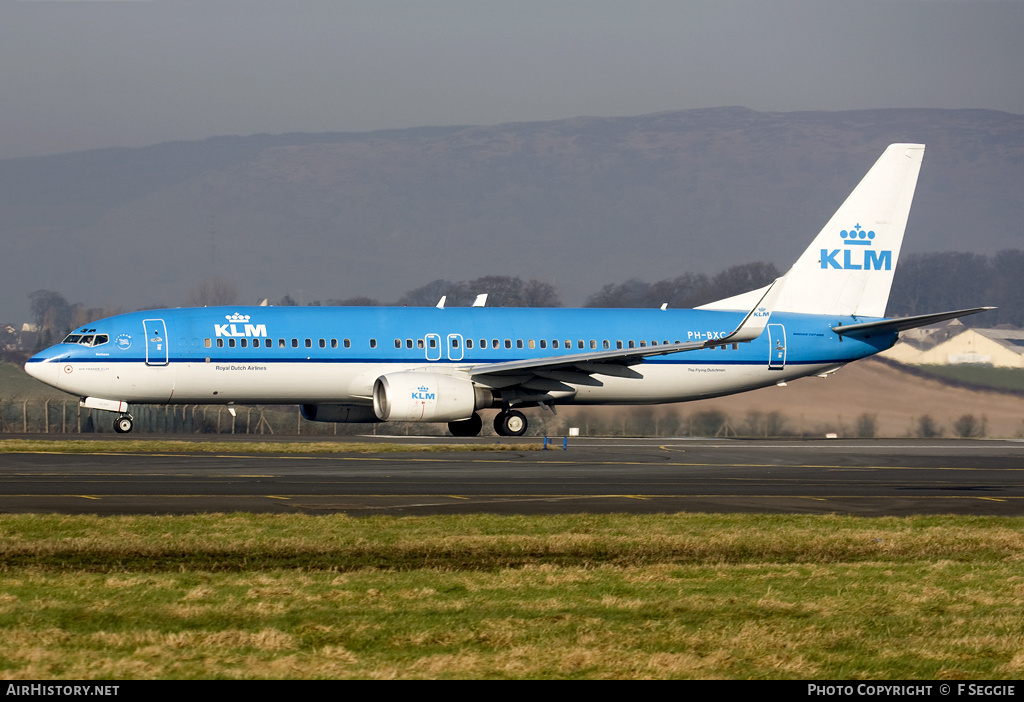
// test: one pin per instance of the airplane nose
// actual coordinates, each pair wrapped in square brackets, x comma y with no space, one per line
[43,371]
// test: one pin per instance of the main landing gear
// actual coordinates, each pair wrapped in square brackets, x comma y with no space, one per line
[506,423]
[466,427]
[510,423]
[124,423]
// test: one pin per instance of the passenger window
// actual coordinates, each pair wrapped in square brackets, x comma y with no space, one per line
[433,343]
[607,344]
[618,344]
[323,343]
[231,343]
[206,343]
[519,343]
[455,343]
[398,343]
[554,343]
[593,343]
[632,345]
[408,343]
[220,343]
[543,343]
[295,343]
[581,344]
[373,343]
[348,343]
[243,343]
[334,343]
[494,343]
[280,343]
[419,343]
[508,343]
[309,343]
[469,343]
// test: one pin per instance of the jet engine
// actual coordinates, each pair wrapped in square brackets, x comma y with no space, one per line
[427,397]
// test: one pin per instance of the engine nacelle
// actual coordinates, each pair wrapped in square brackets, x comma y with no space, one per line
[341,414]
[427,397]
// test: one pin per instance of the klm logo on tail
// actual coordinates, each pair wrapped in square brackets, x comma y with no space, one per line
[857,254]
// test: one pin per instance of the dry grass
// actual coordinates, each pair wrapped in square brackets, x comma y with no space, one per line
[157,446]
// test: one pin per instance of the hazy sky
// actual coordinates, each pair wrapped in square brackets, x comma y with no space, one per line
[81,74]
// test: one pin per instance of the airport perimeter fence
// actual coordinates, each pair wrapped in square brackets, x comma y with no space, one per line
[56,416]
[67,417]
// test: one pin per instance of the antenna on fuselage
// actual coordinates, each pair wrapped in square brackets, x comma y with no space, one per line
[440,303]
[481,300]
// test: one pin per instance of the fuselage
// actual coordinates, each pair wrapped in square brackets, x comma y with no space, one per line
[309,355]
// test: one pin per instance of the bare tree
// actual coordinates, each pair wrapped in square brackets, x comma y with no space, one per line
[212,292]
[51,312]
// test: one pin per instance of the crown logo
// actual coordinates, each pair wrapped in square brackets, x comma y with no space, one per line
[237,318]
[858,236]
[423,388]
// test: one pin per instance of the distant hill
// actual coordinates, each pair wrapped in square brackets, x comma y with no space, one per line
[577,203]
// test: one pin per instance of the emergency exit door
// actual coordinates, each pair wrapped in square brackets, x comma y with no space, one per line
[156,342]
[776,347]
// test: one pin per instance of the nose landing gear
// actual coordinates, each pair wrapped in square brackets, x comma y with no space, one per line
[124,423]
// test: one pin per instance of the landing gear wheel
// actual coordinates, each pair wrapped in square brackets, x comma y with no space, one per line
[123,424]
[510,423]
[466,427]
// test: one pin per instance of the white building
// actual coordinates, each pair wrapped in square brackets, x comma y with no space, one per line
[993,347]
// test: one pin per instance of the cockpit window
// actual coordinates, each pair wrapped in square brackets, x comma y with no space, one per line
[86,339]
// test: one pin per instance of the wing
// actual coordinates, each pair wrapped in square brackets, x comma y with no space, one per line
[550,373]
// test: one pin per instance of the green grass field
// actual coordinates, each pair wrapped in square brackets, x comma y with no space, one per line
[612,596]
[15,383]
[979,375]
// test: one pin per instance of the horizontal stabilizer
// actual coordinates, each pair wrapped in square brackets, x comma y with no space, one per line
[866,329]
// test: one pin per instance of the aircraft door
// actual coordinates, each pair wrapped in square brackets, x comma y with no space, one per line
[455,343]
[156,342]
[433,347]
[776,347]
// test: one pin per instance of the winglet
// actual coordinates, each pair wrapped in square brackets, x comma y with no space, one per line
[757,318]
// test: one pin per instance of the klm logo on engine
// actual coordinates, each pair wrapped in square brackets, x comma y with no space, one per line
[857,254]
[238,325]
[423,393]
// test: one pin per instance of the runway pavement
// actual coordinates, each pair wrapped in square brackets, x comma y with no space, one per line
[871,478]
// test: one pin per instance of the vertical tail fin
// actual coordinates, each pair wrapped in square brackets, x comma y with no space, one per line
[848,268]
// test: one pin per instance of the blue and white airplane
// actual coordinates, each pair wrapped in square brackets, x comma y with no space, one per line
[381,364]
